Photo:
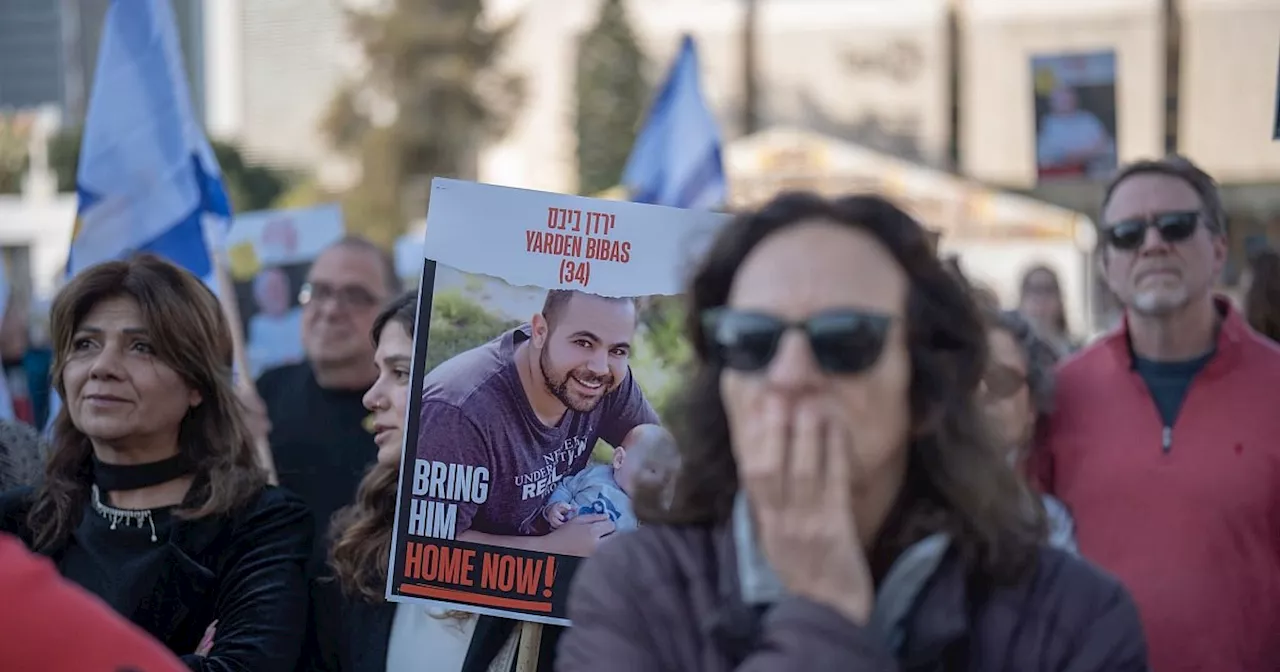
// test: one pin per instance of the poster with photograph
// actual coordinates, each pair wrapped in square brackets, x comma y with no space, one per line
[1075,108]
[269,254]
[548,346]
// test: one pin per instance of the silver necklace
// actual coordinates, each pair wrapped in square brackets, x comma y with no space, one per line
[137,517]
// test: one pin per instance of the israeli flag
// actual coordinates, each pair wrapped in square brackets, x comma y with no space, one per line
[676,160]
[147,180]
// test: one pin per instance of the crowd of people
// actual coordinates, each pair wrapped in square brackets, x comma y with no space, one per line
[878,467]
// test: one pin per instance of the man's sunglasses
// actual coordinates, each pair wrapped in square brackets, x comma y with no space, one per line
[1174,227]
[843,341]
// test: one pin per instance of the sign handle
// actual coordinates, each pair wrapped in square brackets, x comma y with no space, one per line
[530,643]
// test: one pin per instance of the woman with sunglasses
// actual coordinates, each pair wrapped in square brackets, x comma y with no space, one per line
[840,505]
[354,628]
[1017,394]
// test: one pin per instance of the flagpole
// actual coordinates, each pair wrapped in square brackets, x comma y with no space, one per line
[750,83]
[240,357]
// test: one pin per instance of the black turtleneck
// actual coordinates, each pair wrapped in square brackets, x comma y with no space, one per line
[115,556]
[320,444]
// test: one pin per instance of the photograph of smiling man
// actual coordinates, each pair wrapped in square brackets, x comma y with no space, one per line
[529,407]
[549,346]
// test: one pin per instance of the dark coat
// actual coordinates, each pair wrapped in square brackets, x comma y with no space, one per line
[666,598]
[352,635]
[245,570]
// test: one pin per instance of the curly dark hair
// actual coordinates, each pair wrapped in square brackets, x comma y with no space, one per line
[361,532]
[957,481]
[191,335]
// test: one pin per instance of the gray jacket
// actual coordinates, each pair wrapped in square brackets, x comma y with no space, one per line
[670,598]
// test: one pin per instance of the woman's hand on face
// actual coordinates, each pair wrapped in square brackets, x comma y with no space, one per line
[799,483]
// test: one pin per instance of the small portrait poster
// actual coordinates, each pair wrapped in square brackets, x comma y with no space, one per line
[1075,109]
[269,254]
[548,346]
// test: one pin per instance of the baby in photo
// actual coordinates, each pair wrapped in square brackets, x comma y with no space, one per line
[607,488]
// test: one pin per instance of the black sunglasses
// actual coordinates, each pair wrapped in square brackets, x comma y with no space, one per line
[1173,227]
[843,341]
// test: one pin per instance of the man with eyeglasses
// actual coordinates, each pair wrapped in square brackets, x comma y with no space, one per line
[1164,439]
[314,409]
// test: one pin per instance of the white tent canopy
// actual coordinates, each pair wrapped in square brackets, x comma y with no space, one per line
[997,235]
[777,159]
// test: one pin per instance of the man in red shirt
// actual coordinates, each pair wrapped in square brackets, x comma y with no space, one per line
[1165,440]
[52,626]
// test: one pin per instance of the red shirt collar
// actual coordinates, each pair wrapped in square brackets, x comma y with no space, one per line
[1232,331]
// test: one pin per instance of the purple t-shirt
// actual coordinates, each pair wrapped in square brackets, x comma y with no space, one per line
[475,413]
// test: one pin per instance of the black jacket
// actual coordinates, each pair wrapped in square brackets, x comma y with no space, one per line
[351,635]
[245,570]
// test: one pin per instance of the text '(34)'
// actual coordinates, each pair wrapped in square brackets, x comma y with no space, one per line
[578,237]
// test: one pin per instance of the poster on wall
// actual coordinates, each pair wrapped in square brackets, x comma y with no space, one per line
[1075,115]
[269,254]
[548,345]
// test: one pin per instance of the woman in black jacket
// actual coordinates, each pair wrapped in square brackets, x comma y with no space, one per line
[841,504]
[153,498]
[353,628]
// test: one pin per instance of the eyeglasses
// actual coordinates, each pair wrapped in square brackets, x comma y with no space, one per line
[842,341]
[1173,227]
[350,296]
[1002,382]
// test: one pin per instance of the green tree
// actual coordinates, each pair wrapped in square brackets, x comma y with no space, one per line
[249,186]
[64,156]
[431,98]
[13,155]
[303,193]
[662,356]
[612,93]
[458,323]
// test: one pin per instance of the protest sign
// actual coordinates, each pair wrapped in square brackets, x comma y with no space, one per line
[547,347]
[269,254]
[1075,110]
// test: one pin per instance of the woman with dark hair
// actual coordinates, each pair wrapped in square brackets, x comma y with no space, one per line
[1040,301]
[1262,298]
[833,419]
[354,629]
[152,497]
[1017,394]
